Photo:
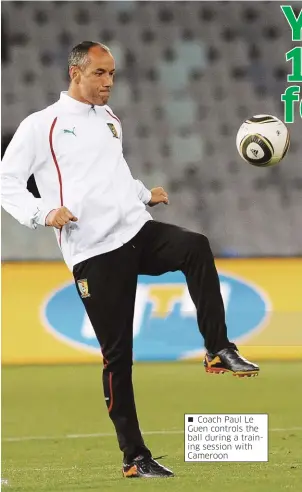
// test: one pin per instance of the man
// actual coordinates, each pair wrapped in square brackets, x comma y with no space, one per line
[107,238]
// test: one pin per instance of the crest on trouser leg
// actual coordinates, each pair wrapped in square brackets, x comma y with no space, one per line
[83,288]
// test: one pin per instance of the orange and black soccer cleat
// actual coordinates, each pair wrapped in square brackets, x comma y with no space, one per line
[145,467]
[229,360]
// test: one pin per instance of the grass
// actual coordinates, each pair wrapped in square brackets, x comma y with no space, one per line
[49,403]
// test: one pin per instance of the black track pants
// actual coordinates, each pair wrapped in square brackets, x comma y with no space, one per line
[112,279]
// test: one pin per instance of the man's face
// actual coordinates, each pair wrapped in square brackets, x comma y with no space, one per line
[96,80]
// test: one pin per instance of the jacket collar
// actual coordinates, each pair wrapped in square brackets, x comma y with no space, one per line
[75,106]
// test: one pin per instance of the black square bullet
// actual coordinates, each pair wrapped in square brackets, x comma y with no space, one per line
[190,419]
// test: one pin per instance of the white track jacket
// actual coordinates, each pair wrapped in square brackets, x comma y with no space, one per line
[75,152]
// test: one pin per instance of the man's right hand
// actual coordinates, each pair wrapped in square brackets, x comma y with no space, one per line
[59,217]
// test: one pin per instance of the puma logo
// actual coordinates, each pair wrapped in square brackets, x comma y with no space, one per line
[70,131]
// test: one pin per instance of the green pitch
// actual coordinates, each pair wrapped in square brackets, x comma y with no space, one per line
[41,406]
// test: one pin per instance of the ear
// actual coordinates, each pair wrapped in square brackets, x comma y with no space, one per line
[74,74]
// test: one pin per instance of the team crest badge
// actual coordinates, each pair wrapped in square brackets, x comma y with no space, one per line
[83,288]
[112,129]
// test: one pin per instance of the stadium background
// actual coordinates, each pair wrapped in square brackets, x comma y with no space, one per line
[188,74]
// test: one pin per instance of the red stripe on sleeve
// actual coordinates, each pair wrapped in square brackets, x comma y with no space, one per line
[57,165]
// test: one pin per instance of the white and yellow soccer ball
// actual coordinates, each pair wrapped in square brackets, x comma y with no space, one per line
[263,140]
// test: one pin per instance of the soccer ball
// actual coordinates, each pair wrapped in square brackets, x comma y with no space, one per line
[263,140]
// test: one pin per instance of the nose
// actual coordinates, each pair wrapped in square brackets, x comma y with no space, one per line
[108,82]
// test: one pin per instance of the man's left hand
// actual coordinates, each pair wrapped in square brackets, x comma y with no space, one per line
[159,195]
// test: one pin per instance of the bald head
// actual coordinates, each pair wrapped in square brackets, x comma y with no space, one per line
[79,55]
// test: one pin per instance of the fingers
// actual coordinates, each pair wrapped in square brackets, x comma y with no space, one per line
[161,192]
[161,199]
[64,216]
[60,217]
[159,195]
[165,198]
[70,215]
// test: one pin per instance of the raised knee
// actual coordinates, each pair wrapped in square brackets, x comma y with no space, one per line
[200,243]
